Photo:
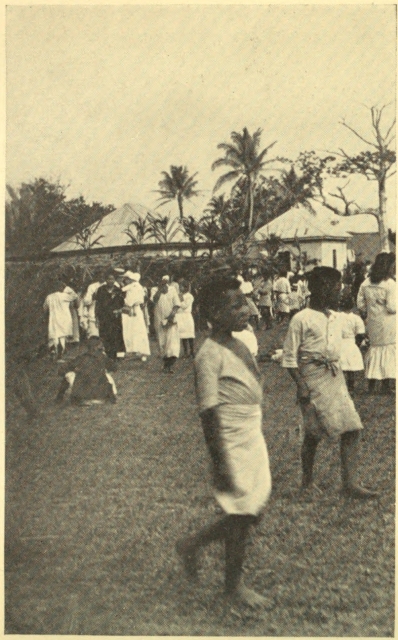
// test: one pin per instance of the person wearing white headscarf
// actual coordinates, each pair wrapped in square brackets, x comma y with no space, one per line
[166,304]
[60,325]
[135,333]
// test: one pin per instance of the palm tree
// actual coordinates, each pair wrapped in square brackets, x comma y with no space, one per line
[163,229]
[245,161]
[142,227]
[193,231]
[177,185]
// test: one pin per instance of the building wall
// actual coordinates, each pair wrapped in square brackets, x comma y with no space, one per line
[340,248]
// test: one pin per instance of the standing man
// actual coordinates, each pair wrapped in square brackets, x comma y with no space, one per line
[166,304]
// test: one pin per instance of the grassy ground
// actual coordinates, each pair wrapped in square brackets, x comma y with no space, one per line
[96,497]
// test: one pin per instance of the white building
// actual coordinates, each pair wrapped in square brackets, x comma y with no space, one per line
[321,234]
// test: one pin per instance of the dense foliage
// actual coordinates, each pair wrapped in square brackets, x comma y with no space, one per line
[39,216]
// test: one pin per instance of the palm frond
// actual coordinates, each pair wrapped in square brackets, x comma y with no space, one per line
[231,175]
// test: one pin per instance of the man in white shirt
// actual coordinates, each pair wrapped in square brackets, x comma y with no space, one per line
[311,353]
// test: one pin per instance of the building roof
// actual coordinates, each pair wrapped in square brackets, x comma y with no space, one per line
[366,245]
[113,228]
[314,222]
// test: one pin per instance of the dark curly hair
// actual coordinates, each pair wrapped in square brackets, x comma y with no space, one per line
[213,290]
[380,270]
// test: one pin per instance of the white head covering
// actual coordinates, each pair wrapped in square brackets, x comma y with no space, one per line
[132,276]
[166,278]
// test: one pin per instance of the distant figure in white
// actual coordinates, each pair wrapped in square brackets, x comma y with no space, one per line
[166,304]
[185,321]
[60,325]
[90,322]
[135,333]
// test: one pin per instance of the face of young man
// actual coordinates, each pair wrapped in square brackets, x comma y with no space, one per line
[234,313]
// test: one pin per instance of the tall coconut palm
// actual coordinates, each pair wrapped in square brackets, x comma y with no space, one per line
[177,185]
[245,160]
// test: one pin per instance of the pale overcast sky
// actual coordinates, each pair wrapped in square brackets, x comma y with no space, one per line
[106,97]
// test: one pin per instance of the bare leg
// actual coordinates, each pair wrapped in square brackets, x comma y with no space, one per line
[308,451]
[189,547]
[371,385]
[350,449]
[235,543]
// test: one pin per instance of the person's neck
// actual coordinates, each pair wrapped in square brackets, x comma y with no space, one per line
[220,334]
[321,307]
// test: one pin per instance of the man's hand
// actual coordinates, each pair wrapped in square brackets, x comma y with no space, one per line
[303,392]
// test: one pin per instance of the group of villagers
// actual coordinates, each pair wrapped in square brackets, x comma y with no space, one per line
[115,318]
[229,395]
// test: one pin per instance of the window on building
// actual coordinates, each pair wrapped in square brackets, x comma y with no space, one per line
[334,259]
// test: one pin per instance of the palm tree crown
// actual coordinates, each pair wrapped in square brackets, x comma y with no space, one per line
[245,161]
[177,185]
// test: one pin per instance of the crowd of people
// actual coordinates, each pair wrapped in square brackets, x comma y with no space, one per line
[327,330]
[121,312]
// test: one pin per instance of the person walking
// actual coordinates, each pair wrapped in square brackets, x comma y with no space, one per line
[376,300]
[229,397]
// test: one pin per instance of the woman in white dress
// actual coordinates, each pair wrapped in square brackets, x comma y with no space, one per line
[376,299]
[135,334]
[185,321]
[60,325]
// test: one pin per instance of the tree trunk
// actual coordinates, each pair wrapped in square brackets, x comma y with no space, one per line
[179,200]
[383,231]
[250,204]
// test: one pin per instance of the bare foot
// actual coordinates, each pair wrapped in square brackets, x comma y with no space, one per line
[242,595]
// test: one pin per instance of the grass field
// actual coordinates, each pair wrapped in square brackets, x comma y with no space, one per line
[96,497]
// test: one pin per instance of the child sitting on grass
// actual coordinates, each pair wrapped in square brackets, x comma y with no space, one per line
[311,353]
[87,376]
[229,396]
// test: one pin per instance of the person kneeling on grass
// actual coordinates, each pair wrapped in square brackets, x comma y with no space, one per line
[88,378]
[229,396]
[311,353]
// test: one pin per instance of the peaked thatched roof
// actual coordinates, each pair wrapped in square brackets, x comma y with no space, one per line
[113,229]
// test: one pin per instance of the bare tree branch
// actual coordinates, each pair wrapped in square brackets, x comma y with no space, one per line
[357,134]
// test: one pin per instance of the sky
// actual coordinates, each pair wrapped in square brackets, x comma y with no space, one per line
[104,98]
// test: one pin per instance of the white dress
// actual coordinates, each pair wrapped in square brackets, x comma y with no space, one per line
[283,291]
[135,334]
[351,357]
[378,301]
[168,335]
[89,304]
[60,323]
[185,322]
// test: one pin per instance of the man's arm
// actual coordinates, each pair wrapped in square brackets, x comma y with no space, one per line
[211,430]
